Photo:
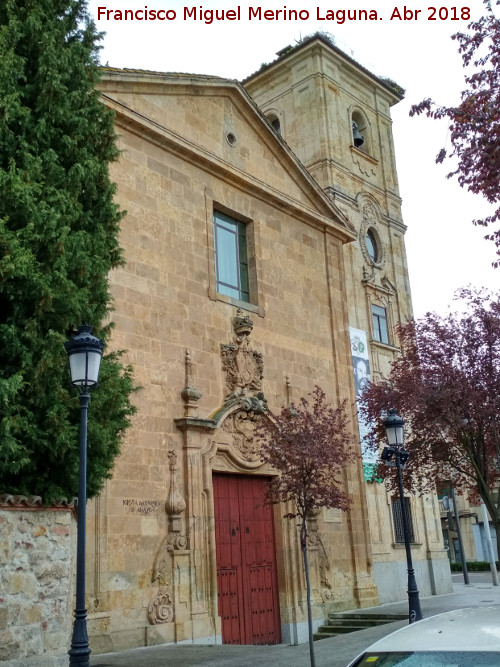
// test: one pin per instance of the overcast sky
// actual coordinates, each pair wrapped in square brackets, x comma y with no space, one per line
[444,250]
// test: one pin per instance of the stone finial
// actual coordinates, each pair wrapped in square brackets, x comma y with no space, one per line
[175,503]
[190,395]
[288,390]
[172,460]
[242,324]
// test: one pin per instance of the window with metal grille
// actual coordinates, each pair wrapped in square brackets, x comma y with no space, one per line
[397,517]
[380,329]
[231,261]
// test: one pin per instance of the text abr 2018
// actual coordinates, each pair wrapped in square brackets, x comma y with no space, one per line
[258,13]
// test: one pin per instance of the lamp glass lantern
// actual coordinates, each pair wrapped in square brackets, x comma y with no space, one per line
[84,355]
[394,429]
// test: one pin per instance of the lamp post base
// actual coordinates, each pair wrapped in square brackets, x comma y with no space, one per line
[79,652]
[414,611]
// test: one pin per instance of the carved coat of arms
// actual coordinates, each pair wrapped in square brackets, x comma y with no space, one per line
[243,367]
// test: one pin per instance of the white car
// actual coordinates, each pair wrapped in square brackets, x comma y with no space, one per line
[462,638]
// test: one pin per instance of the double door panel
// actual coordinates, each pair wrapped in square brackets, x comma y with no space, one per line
[246,561]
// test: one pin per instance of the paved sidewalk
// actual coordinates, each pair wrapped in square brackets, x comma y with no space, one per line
[333,652]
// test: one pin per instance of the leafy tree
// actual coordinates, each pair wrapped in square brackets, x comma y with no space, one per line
[475,121]
[446,386]
[309,445]
[58,243]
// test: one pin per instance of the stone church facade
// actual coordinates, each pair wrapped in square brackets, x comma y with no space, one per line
[258,239]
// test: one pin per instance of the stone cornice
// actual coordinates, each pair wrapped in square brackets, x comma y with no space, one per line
[336,164]
[336,56]
[196,423]
[34,503]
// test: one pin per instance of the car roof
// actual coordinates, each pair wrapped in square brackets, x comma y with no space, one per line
[474,628]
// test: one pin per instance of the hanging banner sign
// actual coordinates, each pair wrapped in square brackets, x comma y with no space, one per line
[361,371]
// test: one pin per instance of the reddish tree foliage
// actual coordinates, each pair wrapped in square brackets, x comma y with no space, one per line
[446,386]
[309,445]
[475,122]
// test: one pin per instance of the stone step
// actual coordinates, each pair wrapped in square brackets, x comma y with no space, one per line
[341,629]
[322,635]
[355,622]
[343,623]
[351,616]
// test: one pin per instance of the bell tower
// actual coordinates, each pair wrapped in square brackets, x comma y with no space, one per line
[336,117]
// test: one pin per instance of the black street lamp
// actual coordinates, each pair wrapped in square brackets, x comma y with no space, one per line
[396,456]
[84,356]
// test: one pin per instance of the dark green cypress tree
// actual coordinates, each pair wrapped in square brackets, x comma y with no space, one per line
[58,242]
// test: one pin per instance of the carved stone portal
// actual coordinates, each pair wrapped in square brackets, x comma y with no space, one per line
[241,424]
[243,367]
[315,543]
[161,607]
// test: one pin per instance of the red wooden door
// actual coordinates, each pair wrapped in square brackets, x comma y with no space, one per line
[246,567]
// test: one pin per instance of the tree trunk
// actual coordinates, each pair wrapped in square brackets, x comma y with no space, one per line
[303,545]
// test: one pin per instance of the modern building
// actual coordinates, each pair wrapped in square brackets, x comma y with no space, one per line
[473,526]
[264,249]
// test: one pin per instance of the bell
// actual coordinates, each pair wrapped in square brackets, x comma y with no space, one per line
[357,136]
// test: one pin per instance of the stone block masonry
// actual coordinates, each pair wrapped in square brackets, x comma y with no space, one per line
[37,547]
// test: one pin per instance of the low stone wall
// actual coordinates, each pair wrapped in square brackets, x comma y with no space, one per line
[37,547]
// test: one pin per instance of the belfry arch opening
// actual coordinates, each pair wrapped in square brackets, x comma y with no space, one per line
[361,135]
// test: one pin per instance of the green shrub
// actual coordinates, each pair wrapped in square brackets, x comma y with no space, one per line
[473,566]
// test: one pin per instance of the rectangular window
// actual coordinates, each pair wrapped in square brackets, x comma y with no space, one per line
[231,261]
[398,520]
[380,330]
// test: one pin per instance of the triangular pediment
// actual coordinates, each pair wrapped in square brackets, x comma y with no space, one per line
[214,123]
